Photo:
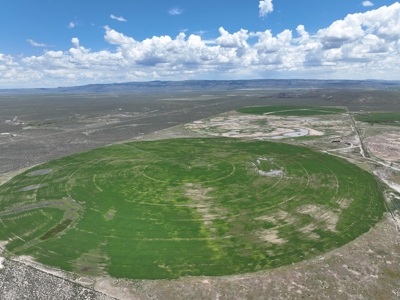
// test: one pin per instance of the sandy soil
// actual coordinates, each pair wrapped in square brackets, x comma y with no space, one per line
[384,146]
[344,202]
[320,213]
[7,176]
[271,236]
[203,203]
[3,244]
[237,125]
[383,176]
[277,217]
[85,281]
[308,231]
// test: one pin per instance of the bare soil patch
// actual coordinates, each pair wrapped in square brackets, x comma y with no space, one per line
[384,146]
[85,281]
[344,202]
[308,231]
[320,213]
[3,244]
[238,125]
[278,217]
[7,176]
[271,236]
[201,202]
[110,214]
[270,173]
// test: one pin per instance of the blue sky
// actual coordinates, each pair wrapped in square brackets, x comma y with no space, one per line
[46,43]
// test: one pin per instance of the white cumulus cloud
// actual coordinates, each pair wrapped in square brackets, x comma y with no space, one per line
[235,40]
[367,3]
[7,60]
[35,44]
[265,7]
[75,42]
[355,47]
[121,19]
[117,38]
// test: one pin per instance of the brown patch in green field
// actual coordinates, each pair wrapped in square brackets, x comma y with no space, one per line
[320,213]
[91,263]
[203,203]
[271,236]
[344,202]
[308,231]
[200,201]
[54,231]
[278,217]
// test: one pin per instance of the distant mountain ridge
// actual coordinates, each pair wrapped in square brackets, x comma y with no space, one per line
[216,85]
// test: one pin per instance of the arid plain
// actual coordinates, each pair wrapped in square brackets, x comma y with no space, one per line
[37,128]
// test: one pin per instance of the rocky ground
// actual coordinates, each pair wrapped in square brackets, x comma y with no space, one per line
[19,281]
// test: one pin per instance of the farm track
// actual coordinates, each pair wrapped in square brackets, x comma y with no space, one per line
[364,151]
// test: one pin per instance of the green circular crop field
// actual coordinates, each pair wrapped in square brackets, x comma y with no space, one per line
[170,208]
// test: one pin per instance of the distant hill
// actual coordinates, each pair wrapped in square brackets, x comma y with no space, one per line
[216,85]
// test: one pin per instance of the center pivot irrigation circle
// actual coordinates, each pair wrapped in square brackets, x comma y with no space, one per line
[171,208]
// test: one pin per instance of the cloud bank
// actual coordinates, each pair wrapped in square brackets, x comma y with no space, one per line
[360,46]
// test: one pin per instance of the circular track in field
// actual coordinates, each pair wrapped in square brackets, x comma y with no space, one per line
[197,170]
[170,208]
